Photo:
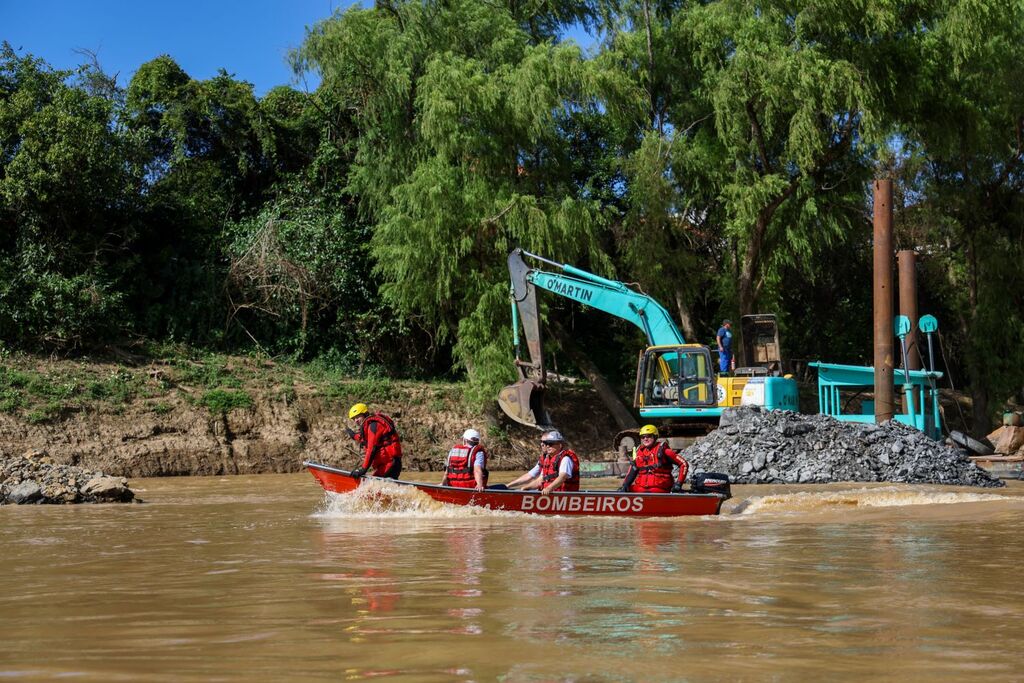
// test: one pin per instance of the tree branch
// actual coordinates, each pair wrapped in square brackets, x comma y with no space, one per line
[758,136]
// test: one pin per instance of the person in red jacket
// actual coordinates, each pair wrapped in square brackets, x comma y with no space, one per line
[558,468]
[382,447]
[466,466]
[651,469]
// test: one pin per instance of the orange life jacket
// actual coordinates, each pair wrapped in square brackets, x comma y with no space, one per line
[549,464]
[460,466]
[654,469]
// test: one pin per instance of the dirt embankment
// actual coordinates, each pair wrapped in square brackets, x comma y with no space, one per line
[219,415]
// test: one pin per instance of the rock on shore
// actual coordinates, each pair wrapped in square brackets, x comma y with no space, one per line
[31,479]
[758,447]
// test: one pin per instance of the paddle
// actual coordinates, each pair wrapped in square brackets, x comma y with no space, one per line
[358,472]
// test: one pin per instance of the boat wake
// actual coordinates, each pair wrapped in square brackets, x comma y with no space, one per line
[885,497]
[375,499]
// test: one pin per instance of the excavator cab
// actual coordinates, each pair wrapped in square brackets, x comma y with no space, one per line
[674,376]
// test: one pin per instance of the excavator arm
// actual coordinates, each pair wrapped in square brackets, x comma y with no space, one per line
[610,296]
[524,400]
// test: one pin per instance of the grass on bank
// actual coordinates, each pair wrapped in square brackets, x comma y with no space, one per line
[42,390]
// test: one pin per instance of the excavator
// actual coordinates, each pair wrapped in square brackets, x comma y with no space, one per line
[675,381]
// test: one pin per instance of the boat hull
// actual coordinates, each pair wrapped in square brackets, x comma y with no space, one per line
[570,503]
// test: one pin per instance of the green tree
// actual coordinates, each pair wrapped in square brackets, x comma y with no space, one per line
[964,176]
[669,233]
[459,157]
[210,159]
[68,191]
[799,96]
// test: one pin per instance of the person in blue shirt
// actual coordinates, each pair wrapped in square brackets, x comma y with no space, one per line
[726,361]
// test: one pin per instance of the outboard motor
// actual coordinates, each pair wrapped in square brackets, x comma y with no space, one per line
[711,482]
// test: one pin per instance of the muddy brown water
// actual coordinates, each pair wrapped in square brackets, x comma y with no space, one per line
[268,578]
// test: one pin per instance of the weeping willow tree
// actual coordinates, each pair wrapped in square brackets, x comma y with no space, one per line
[718,153]
[669,233]
[461,156]
[749,132]
[800,97]
[964,174]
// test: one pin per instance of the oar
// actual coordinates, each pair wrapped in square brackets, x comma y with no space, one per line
[352,473]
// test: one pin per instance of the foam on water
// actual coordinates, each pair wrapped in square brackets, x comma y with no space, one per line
[885,497]
[376,499]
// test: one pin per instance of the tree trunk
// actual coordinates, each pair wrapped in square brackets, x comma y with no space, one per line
[685,319]
[652,99]
[751,266]
[622,415]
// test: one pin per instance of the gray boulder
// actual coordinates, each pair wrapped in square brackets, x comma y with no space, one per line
[27,491]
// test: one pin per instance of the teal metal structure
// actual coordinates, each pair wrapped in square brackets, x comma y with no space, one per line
[834,378]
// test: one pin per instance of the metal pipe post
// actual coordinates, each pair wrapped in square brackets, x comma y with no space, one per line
[883,301]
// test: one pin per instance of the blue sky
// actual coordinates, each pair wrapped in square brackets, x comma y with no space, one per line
[249,39]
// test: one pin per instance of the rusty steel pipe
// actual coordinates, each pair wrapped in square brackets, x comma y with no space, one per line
[906,261]
[883,301]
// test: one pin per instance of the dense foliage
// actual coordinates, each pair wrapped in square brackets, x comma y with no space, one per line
[716,153]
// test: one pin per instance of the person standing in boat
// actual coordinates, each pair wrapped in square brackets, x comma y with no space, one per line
[466,466]
[558,468]
[651,468]
[378,436]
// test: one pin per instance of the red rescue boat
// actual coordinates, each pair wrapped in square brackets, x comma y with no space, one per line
[603,503]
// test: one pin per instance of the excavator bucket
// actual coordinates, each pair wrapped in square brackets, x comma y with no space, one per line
[524,403]
[524,400]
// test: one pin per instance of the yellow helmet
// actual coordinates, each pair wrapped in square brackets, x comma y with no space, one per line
[648,429]
[357,410]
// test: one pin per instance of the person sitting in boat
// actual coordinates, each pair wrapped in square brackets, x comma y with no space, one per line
[466,466]
[382,447]
[558,468]
[651,468]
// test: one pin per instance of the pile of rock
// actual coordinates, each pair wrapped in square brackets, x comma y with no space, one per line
[31,478]
[758,447]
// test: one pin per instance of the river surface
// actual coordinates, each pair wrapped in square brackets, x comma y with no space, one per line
[269,578]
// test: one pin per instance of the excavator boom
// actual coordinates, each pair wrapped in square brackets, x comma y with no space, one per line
[610,296]
[523,401]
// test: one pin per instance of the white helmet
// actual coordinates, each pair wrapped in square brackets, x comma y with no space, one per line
[471,435]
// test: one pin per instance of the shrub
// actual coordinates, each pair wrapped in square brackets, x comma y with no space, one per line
[224,400]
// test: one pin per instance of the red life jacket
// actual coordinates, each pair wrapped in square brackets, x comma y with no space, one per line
[654,469]
[460,466]
[385,445]
[386,437]
[549,469]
